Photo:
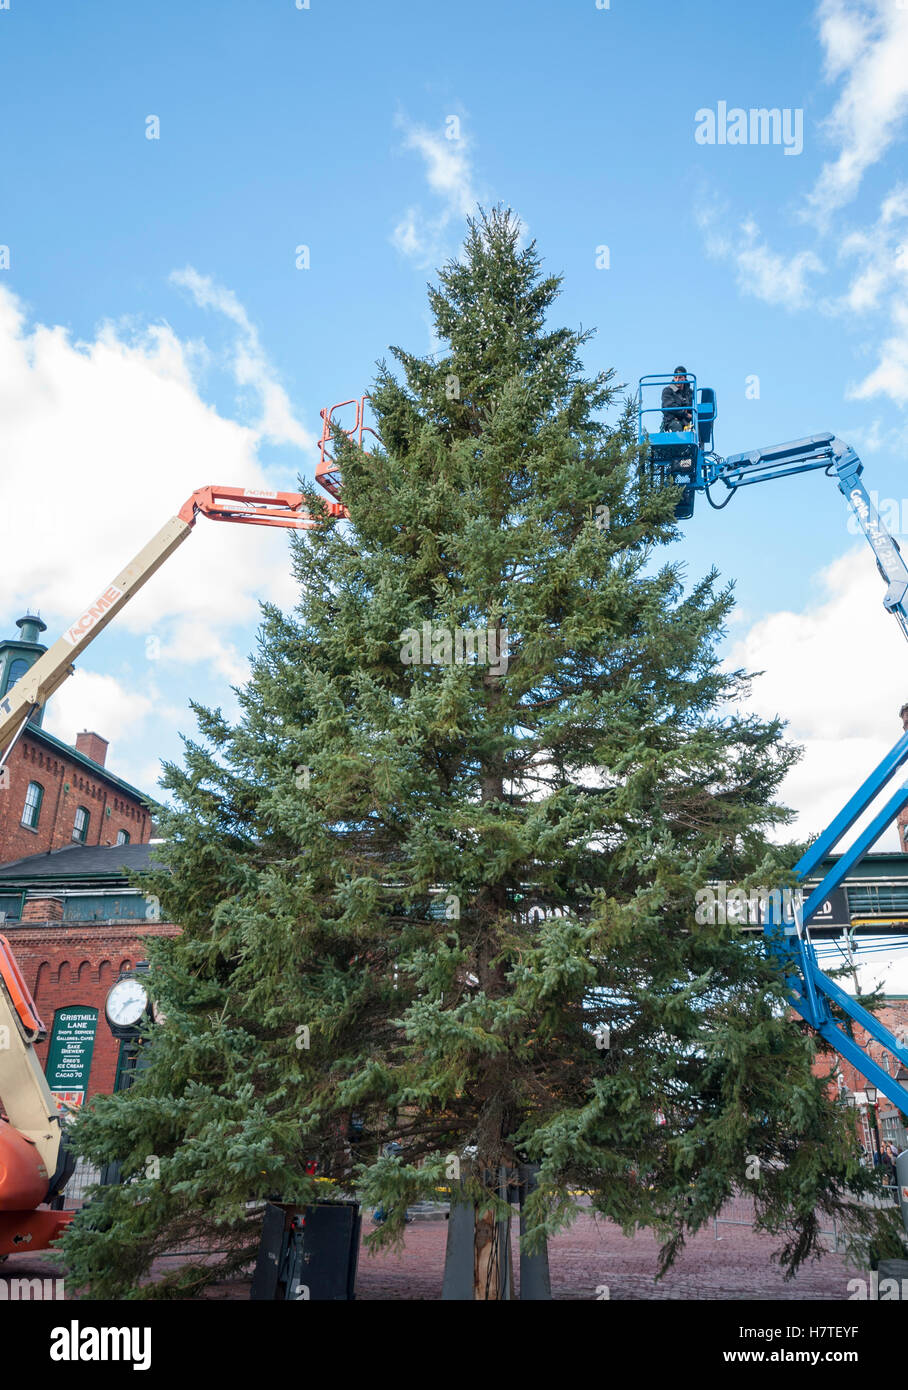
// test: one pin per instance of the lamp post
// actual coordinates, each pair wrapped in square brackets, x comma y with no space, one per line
[871,1093]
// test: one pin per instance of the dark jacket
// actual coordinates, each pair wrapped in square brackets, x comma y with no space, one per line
[675,396]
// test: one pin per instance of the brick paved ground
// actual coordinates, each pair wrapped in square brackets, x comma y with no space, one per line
[590,1255]
[595,1253]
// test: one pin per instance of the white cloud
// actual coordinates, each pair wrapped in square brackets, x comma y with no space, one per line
[879,285]
[103,441]
[249,363]
[406,237]
[882,262]
[449,174]
[761,272]
[866,47]
[197,641]
[836,672]
[873,438]
[101,703]
[448,169]
[890,376]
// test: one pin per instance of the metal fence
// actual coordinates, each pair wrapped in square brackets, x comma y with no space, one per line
[739,1211]
[85,1175]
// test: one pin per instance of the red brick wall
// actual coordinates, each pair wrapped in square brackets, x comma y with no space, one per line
[31,761]
[902,823]
[894,1016]
[77,964]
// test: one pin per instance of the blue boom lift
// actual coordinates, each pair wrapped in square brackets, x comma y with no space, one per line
[686,458]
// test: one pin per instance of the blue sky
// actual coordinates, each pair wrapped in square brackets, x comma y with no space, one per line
[156,334]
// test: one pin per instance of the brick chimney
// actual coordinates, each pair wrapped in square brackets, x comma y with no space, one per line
[92,746]
[40,909]
[902,821]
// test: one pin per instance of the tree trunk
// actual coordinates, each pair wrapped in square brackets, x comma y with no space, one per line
[486,1269]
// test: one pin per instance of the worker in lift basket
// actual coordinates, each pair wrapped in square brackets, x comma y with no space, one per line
[674,398]
[677,412]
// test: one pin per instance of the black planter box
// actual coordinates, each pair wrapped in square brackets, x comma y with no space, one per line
[308,1254]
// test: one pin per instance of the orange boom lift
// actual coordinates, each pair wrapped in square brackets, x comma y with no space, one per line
[34,1166]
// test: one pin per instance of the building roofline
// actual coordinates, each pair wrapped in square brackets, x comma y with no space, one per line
[39,886]
[33,731]
[872,854]
[66,865]
[24,644]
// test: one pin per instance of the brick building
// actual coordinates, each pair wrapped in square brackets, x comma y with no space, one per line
[54,795]
[74,922]
[890,1121]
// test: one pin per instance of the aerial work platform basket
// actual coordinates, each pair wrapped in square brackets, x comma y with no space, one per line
[327,471]
[675,455]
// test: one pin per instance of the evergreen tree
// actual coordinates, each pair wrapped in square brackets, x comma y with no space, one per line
[451,902]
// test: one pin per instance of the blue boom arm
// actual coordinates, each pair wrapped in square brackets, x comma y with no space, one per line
[840,461]
[812,991]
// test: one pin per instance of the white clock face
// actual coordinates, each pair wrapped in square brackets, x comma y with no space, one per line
[126,1002]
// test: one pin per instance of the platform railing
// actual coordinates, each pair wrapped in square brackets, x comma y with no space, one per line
[656,382]
[327,472]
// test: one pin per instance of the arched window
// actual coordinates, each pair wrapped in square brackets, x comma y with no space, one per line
[31,811]
[80,829]
[122,837]
[17,670]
